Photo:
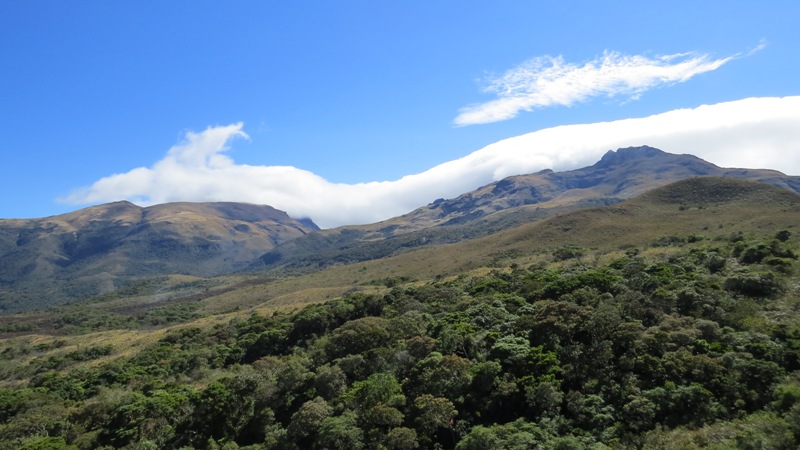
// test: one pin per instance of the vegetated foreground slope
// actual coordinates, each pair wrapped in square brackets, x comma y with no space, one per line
[619,175]
[56,259]
[667,321]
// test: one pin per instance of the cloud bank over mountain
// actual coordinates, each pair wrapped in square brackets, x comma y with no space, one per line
[749,133]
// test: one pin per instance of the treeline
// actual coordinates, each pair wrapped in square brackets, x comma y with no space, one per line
[692,347]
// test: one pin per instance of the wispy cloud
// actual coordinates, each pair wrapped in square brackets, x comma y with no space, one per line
[547,81]
[762,44]
[753,133]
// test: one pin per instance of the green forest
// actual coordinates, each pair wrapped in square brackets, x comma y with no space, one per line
[689,342]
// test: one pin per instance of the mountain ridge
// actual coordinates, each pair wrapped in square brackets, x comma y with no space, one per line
[512,201]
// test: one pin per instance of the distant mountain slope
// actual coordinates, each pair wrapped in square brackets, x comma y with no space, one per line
[701,211]
[619,175]
[55,259]
[704,208]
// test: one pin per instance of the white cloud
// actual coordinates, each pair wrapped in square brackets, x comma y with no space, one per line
[548,81]
[751,133]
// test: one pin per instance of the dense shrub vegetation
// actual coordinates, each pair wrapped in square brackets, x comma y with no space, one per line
[697,346]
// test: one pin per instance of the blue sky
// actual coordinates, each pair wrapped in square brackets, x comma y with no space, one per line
[355,93]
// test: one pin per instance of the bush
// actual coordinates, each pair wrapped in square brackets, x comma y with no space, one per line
[567,252]
[755,284]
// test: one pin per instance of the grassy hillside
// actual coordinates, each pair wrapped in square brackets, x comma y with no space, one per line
[686,297]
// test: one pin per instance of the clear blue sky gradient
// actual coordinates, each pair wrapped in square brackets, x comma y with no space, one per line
[353,91]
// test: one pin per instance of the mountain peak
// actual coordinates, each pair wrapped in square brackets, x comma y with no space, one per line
[123,211]
[628,154]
